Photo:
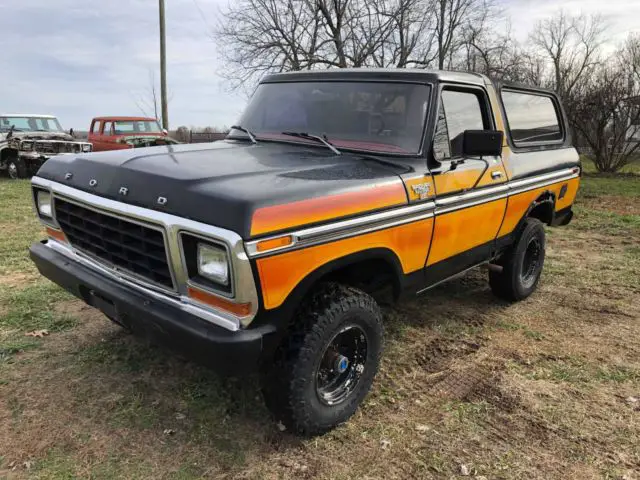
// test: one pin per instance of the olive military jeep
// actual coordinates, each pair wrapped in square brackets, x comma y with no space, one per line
[337,190]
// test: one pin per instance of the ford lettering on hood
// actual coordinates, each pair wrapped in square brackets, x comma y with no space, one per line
[222,183]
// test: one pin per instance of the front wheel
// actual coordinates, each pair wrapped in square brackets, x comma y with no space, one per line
[327,362]
[16,168]
[521,264]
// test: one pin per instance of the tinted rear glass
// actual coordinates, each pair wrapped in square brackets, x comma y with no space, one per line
[532,118]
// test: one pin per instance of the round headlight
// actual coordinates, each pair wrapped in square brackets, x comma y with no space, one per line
[44,203]
[213,263]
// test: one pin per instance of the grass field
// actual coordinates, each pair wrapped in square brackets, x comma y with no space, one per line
[547,388]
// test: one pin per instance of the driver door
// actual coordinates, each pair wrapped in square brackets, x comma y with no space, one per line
[469,209]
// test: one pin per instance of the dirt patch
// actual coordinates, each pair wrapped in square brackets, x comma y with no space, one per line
[18,279]
[78,309]
[621,205]
[490,389]
[438,354]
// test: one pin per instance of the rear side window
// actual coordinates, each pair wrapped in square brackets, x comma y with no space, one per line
[532,118]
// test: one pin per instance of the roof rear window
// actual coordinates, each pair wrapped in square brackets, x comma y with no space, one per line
[532,117]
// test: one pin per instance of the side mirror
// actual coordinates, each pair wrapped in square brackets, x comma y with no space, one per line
[482,143]
[165,131]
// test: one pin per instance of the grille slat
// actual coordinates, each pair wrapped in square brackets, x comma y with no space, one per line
[121,243]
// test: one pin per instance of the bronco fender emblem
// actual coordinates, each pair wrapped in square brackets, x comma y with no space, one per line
[421,189]
[123,191]
[161,201]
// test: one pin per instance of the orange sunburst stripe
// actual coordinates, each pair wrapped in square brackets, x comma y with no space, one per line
[303,212]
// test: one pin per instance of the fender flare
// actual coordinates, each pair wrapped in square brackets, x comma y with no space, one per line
[281,315]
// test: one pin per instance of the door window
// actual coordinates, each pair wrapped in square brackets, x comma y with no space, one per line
[106,129]
[459,111]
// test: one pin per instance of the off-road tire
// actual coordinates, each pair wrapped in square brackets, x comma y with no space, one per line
[16,168]
[510,284]
[289,384]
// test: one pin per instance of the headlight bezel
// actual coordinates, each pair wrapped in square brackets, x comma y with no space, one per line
[86,148]
[27,146]
[190,243]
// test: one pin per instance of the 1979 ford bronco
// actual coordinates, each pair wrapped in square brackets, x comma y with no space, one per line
[272,250]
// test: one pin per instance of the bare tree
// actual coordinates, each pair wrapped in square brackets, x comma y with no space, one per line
[149,101]
[607,117]
[452,19]
[490,49]
[285,35]
[571,45]
[183,134]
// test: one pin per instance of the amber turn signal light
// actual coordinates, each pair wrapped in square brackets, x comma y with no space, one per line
[274,243]
[57,234]
[238,309]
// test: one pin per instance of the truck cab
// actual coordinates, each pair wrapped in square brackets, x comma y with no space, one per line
[336,191]
[121,133]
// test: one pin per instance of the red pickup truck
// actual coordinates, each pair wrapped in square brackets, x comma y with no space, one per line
[117,133]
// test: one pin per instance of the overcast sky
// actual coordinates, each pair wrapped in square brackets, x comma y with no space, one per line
[79,59]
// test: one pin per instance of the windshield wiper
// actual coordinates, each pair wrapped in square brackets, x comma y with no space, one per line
[244,130]
[317,138]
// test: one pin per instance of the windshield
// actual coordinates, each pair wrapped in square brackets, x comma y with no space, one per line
[136,126]
[30,124]
[371,116]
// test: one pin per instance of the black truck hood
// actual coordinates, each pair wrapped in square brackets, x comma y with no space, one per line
[221,183]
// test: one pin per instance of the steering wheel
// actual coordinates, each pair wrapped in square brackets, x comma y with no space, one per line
[376,117]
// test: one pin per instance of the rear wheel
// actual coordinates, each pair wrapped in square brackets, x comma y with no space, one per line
[327,363]
[521,264]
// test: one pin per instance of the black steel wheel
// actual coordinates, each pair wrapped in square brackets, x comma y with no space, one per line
[530,270]
[342,365]
[522,264]
[327,362]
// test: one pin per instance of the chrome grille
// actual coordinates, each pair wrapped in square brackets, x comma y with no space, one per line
[126,245]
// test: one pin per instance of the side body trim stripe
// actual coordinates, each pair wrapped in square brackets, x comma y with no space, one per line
[406,214]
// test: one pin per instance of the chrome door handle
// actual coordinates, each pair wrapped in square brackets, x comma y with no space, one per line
[496,175]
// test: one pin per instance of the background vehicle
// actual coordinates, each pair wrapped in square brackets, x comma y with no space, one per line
[338,190]
[117,133]
[27,141]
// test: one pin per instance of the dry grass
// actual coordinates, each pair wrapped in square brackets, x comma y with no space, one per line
[547,388]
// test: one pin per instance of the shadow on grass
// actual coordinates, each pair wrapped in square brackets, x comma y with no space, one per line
[459,306]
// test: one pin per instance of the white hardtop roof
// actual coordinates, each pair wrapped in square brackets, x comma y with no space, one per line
[27,115]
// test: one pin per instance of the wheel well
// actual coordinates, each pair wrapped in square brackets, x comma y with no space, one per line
[543,208]
[6,154]
[377,271]
[375,276]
